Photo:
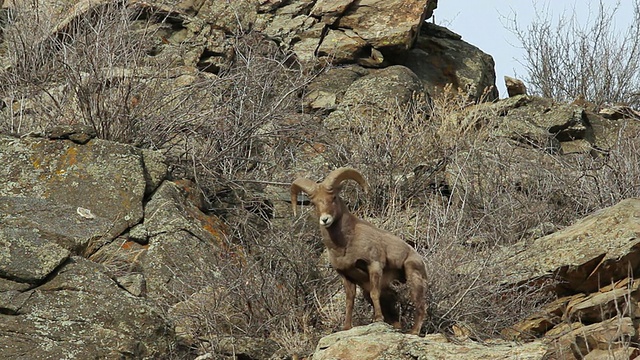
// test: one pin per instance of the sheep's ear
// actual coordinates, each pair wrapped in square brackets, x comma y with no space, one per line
[337,176]
[301,185]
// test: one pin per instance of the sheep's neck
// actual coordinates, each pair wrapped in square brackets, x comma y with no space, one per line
[338,235]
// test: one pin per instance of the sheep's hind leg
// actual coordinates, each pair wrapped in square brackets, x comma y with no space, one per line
[416,277]
[388,301]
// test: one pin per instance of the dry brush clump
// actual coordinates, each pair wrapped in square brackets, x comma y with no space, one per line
[78,70]
[590,56]
[254,111]
[270,292]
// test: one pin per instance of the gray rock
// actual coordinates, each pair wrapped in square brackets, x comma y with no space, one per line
[374,95]
[530,120]
[581,340]
[387,25]
[184,242]
[234,17]
[440,57]
[330,10]
[56,223]
[105,177]
[139,234]
[381,342]
[585,256]
[170,210]
[81,313]
[155,169]
[514,86]
[27,257]
[80,134]
[341,46]
[135,284]
[327,91]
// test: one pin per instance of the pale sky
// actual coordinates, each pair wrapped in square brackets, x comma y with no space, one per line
[482,23]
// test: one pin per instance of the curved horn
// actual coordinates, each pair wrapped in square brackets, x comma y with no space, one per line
[337,176]
[304,185]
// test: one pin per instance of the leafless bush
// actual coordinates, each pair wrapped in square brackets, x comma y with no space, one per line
[95,68]
[253,114]
[73,72]
[607,179]
[269,291]
[567,58]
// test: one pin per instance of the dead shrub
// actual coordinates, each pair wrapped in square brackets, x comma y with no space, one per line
[568,57]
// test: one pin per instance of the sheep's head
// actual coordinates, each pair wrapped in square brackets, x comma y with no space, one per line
[325,195]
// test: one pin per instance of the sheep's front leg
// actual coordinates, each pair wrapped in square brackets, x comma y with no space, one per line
[350,291]
[375,278]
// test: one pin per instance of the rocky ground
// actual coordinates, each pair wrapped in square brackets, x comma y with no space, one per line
[111,250]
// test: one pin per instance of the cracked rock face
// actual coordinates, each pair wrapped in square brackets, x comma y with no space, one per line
[586,256]
[74,316]
[63,200]
[103,177]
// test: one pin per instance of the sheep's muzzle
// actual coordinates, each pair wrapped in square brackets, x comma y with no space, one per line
[326,220]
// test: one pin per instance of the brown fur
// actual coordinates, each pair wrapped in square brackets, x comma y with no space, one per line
[362,254]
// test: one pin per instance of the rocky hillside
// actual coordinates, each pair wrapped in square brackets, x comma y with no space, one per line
[148,149]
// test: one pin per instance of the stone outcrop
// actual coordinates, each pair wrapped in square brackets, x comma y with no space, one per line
[345,31]
[380,341]
[371,96]
[541,123]
[440,57]
[181,238]
[80,312]
[588,265]
[514,86]
[595,251]
[73,280]
[68,173]
[372,34]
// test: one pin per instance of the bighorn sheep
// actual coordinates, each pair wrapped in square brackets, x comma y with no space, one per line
[362,254]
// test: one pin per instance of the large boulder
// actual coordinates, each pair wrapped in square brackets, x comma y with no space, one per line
[592,253]
[380,341]
[27,257]
[386,25]
[345,31]
[185,244]
[81,313]
[72,228]
[440,57]
[329,88]
[99,179]
[375,95]
[68,195]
